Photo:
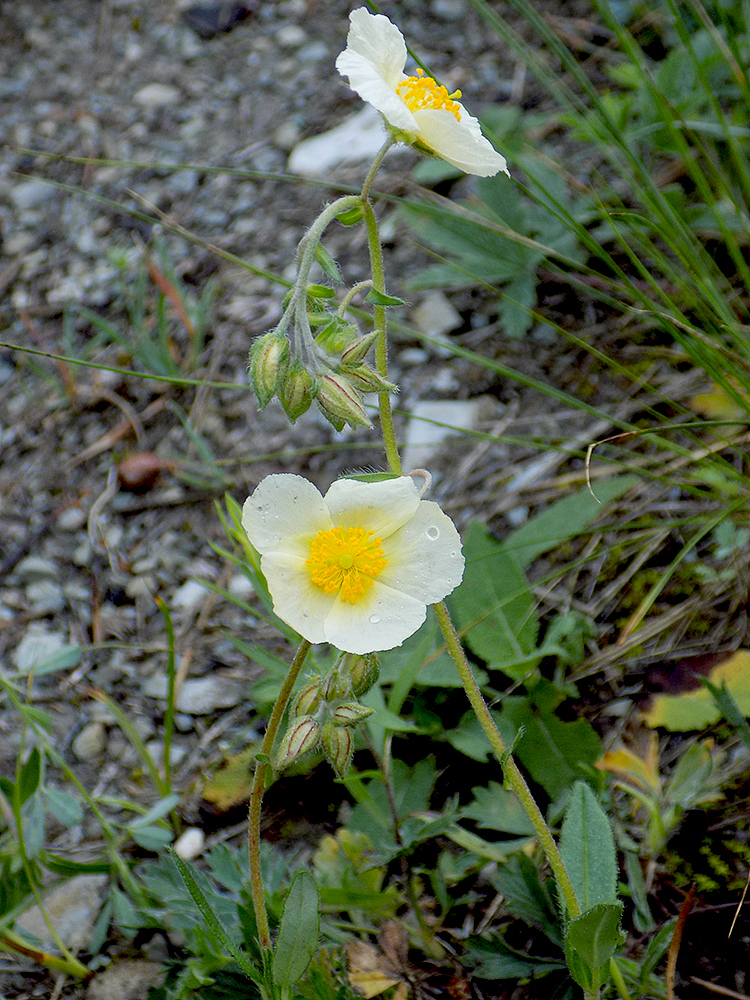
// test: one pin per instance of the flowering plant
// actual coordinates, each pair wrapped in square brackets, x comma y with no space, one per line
[357,567]
[418,110]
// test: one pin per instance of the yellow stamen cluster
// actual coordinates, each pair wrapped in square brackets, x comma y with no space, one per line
[345,560]
[420,91]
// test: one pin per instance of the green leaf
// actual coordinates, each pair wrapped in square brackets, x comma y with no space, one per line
[159,809]
[495,959]
[495,808]
[493,607]
[64,807]
[526,897]
[31,773]
[63,659]
[69,868]
[563,519]
[728,708]
[554,752]
[212,921]
[381,299]
[590,942]
[588,850]
[298,933]
[151,838]
[327,262]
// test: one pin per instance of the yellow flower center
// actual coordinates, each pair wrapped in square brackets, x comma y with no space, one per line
[345,560]
[420,91]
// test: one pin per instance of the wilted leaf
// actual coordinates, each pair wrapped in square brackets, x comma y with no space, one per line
[696,709]
[231,784]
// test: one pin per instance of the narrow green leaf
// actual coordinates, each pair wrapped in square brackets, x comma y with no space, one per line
[69,868]
[151,838]
[590,942]
[588,849]
[298,933]
[381,299]
[31,773]
[157,811]
[729,708]
[212,921]
[327,262]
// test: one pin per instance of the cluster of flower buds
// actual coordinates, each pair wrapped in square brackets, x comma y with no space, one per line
[326,710]
[329,369]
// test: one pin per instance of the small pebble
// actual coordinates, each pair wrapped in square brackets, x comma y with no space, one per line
[71,519]
[34,568]
[189,595]
[90,742]
[46,597]
[157,95]
[190,843]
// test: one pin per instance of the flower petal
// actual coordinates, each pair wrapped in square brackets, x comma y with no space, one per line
[378,41]
[366,79]
[380,507]
[380,621]
[459,142]
[296,599]
[285,511]
[426,561]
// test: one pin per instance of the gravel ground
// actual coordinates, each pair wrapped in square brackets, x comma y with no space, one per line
[192,125]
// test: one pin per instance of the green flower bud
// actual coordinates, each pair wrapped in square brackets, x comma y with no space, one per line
[364,379]
[351,714]
[358,349]
[302,736]
[296,391]
[336,337]
[307,700]
[363,671]
[332,687]
[338,747]
[269,360]
[340,402]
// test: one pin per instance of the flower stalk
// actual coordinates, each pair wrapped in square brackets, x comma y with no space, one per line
[256,797]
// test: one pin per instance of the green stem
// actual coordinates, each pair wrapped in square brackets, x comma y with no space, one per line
[10,941]
[513,777]
[256,796]
[381,343]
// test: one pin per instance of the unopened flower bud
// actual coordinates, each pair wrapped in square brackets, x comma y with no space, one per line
[331,687]
[358,349]
[338,747]
[302,736]
[339,402]
[307,700]
[364,379]
[336,337]
[296,391]
[363,671]
[269,360]
[351,714]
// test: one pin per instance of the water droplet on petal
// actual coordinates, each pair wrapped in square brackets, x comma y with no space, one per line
[432,533]
[374,619]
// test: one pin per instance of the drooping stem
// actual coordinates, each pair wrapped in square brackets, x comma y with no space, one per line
[256,796]
[514,779]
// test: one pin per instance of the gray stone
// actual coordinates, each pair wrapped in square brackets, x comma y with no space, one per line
[436,315]
[36,647]
[157,95]
[425,437]
[29,194]
[71,519]
[90,742]
[200,695]
[46,597]
[34,568]
[129,979]
[72,908]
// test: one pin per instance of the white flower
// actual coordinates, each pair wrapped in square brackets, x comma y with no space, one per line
[357,567]
[417,107]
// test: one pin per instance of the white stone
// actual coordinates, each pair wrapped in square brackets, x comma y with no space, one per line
[34,568]
[189,595]
[71,519]
[157,95]
[200,695]
[424,438]
[45,596]
[190,843]
[239,586]
[358,137]
[436,315]
[291,36]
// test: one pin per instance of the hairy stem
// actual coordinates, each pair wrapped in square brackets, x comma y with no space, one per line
[256,796]
[513,777]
